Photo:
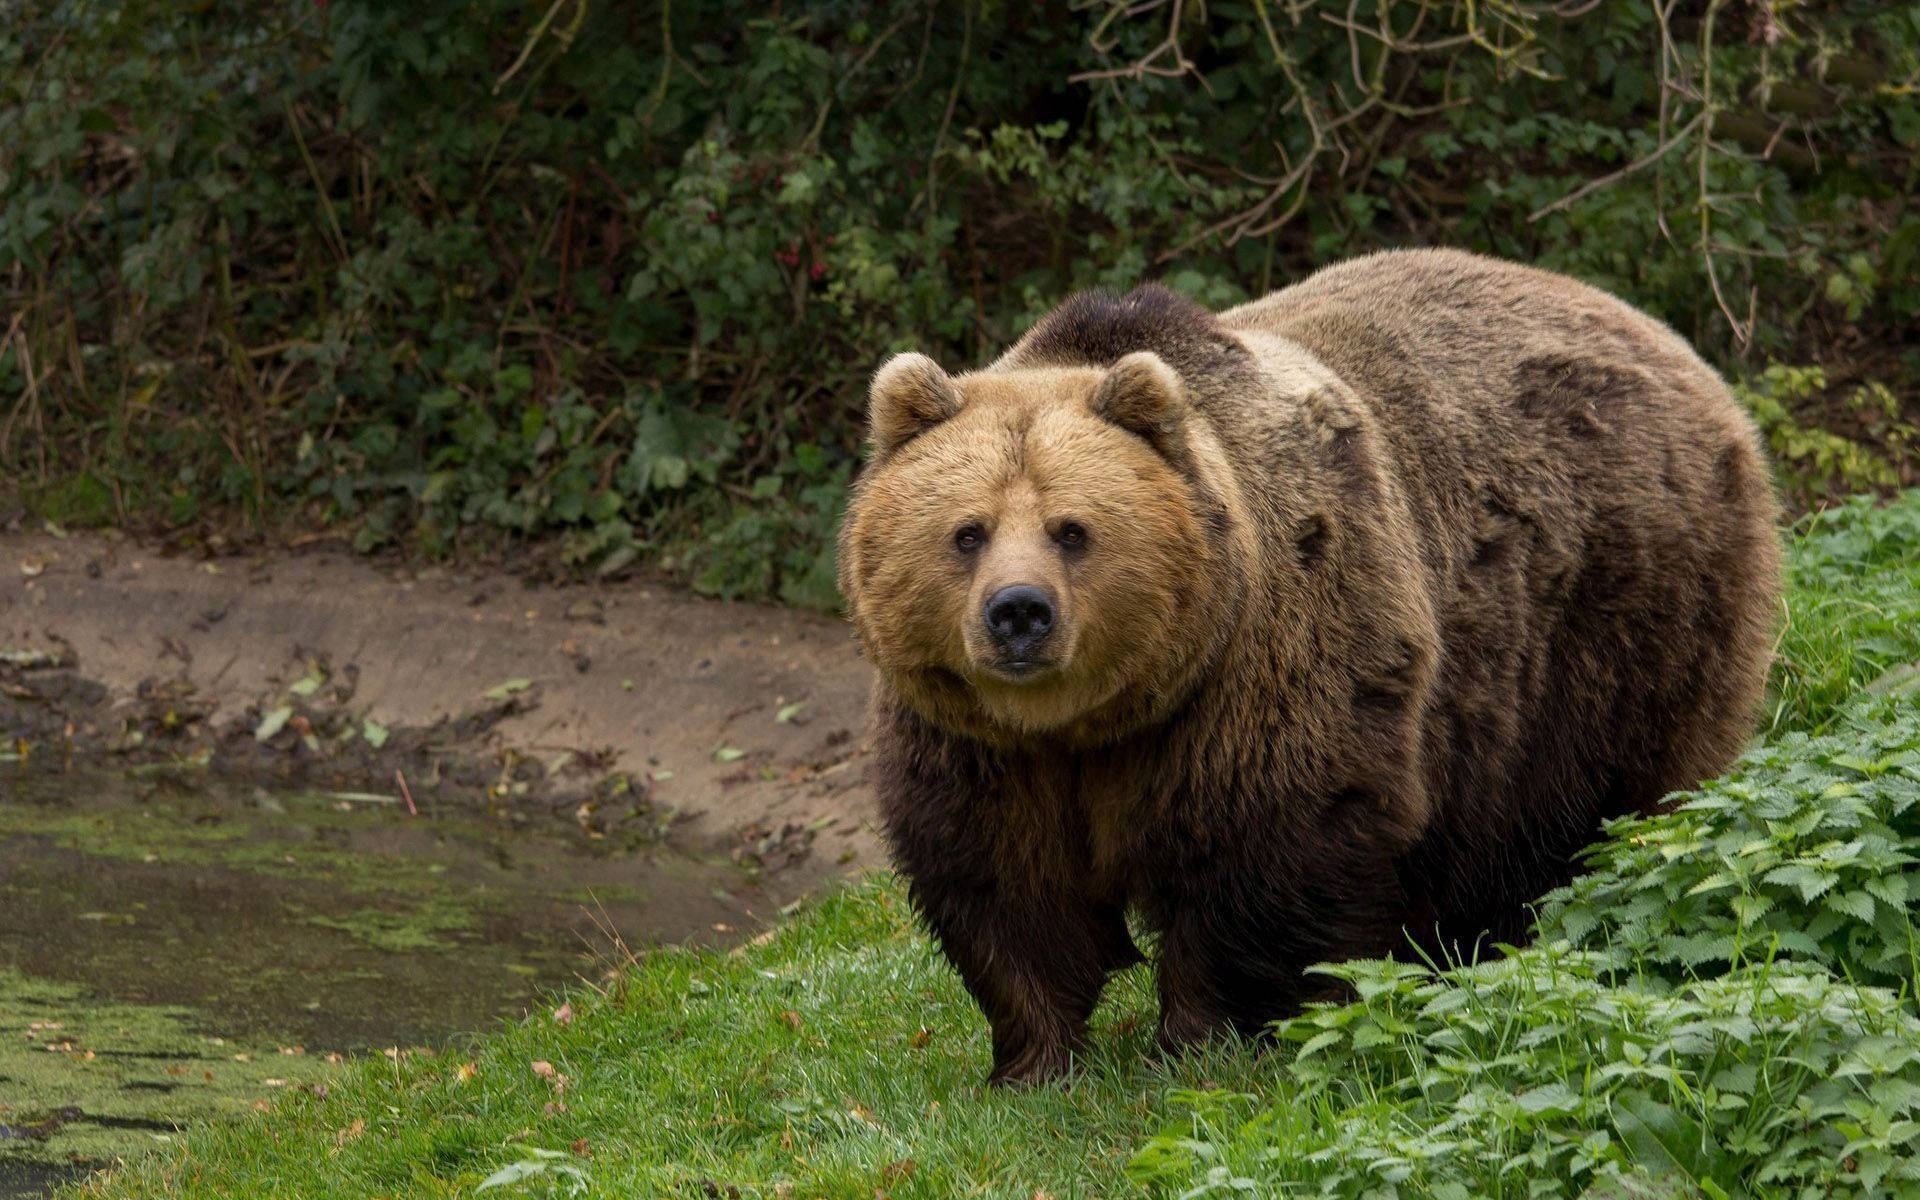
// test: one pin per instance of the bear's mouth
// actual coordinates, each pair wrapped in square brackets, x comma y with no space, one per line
[1020,670]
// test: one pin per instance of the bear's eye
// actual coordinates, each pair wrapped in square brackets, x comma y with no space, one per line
[969,538]
[1072,536]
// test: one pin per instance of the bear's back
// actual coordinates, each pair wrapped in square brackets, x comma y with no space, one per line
[1597,529]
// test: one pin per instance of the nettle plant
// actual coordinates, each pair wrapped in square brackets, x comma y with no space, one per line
[1534,1076]
[1808,851]
[1723,1006]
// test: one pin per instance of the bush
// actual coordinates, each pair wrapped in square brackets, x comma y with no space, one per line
[1723,1006]
[1531,1076]
[449,273]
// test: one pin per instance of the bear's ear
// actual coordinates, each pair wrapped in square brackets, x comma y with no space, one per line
[910,395]
[1143,395]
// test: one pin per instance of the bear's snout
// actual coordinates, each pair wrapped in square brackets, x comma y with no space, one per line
[1019,619]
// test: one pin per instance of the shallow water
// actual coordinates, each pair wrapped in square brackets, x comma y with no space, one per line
[173,949]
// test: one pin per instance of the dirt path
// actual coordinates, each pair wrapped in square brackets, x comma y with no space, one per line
[612,706]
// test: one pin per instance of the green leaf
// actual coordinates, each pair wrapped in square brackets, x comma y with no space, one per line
[273,722]
[501,691]
[1548,1098]
[1666,1142]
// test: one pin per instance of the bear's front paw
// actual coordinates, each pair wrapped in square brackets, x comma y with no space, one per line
[1033,1063]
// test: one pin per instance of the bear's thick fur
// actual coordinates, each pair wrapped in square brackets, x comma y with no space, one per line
[1335,619]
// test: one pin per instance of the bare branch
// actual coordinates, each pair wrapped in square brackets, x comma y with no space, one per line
[1639,164]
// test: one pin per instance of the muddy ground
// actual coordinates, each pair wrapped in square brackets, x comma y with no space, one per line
[630,710]
[259,813]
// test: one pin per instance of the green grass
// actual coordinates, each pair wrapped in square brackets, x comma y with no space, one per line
[840,1058]
[1852,612]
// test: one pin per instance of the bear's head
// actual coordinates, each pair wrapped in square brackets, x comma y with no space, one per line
[1041,551]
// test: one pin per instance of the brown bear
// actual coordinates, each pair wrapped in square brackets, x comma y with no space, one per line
[1330,622]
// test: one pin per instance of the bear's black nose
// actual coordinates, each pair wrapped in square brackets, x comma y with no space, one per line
[1019,618]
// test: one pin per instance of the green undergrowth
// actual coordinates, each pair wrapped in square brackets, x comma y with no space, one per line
[453,276]
[1723,1006]
[1852,612]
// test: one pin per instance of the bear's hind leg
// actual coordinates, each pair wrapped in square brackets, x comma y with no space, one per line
[1233,960]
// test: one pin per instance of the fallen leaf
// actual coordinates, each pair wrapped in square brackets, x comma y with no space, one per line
[272,723]
[544,1070]
[920,1038]
[342,1136]
[793,1019]
[790,712]
[582,1148]
[725,754]
[503,690]
[465,1071]
[375,733]
[564,1014]
[311,682]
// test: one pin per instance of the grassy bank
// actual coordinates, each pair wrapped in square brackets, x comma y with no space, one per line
[1722,1007]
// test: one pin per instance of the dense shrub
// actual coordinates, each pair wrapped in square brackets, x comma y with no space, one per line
[1530,1076]
[1723,1007]
[617,272]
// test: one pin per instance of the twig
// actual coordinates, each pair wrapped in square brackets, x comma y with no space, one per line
[533,39]
[1144,67]
[946,119]
[319,185]
[1742,332]
[1644,161]
[406,793]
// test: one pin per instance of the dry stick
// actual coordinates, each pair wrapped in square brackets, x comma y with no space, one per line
[820,119]
[946,120]
[1639,164]
[1144,67]
[30,401]
[533,39]
[319,185]
[13,327]
[405,793]
[1667,88]
[1397,43]
[1117,10]
[1742,333]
